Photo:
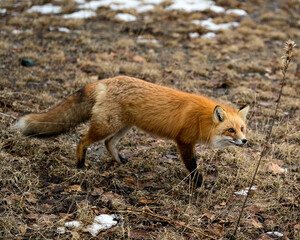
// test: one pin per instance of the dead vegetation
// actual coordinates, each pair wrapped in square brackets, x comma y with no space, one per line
[40,187]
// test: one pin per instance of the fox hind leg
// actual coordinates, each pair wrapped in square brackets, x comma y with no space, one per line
[111,142]
[96,133]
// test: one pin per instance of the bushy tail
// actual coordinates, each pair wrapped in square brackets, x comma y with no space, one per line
[72,111]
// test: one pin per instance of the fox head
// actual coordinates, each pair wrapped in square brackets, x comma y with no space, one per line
[230,127]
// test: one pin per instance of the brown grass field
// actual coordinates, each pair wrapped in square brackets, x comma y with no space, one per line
[40,187]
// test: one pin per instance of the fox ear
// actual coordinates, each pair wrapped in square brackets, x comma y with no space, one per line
[244,111]
[219,114]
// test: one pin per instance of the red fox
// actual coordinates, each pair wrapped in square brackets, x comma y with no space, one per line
[116,104]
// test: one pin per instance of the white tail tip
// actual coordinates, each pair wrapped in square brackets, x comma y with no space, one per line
[21,124]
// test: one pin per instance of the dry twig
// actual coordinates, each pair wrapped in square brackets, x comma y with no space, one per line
[286,59]
[6,115]
[151,213]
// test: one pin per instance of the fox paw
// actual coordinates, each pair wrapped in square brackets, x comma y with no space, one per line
[80,164]
[122,159]
[197,179]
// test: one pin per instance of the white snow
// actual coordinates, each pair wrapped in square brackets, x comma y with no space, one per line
[209,35]
[94,5]
[79,1]
[154,1]
[195,5]
[80,14]
[244,192]
[217,9]
[141,39]
[124,5]
[73,224]
[210,25]
[101,222]
[45,9]
[61,230]
[125,17]
[239,12]
[19,124]
[277,234]
[138,5]
[64,29]
[3,10]
[194,35]
[144,8]
[146,5]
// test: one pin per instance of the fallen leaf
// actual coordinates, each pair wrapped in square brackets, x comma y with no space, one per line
[264,237]
[223,203]
[48,219]
[97,191]
[256,223]
[31,198]
[75,235]
[23,229]
[139,234]
[254,209]
[32,216]
[139,59]
[217,229]
[208,214]
[274,168]
[73,188]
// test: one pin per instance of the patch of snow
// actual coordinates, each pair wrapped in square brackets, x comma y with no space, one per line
[154,1]
[106,220]
[3,10]
[125,17]
[82,14]
[209,35]
[195,5]
[94,5]
[217,9]
[45,9]
[124,5]
[277,234]
[64,29]
[73,224]
[20,124]
[61,230]
[94,229]
[147,5]
[244,192]
[101,222]
[79,1]
[209,25]
[144,8]
[194,35]
[141,39]
[239,12]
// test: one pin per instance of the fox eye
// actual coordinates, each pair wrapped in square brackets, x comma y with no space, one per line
[242,129]
[231,130]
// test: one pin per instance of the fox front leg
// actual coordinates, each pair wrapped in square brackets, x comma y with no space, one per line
[187,153]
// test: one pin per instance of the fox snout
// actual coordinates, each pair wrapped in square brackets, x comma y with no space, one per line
[239,142]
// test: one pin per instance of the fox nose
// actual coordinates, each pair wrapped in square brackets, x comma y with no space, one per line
[244,140]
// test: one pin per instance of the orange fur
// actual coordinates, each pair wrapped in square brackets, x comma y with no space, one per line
[116,104]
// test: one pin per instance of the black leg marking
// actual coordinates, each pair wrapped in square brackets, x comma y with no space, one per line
[123,159]
[81,161]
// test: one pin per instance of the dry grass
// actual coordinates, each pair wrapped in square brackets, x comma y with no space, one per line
[40,187]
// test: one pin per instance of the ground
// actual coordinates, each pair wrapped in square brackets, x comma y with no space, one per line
[41,188]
